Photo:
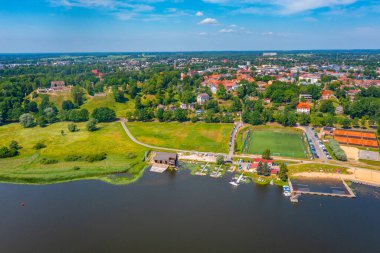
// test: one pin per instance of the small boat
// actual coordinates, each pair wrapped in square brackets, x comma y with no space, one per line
[287,192]
[234,183]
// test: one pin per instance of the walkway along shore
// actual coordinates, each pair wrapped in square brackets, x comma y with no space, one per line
[358,175]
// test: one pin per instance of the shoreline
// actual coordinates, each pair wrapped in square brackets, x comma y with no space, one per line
[357,176]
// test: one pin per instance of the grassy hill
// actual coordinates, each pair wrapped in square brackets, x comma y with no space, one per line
[187,136]
[122,154]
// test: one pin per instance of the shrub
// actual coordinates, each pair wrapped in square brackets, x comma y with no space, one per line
[39,146]
[73,158]
[131,155]
[6,152]
[48,161]
[104,114]
[76,168]
[96,157]
[14,145]
[91,125]
[337,150]
[72,127]
[27,120]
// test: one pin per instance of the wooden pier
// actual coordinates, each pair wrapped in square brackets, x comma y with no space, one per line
[295,194]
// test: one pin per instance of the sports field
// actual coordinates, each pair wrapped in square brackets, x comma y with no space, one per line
[281,141]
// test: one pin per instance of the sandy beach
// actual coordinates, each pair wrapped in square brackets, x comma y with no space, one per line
[356,175]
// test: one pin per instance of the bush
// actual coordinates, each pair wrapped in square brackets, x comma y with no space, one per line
[104,114]
[39,146]
[96,157]
[27,120]
[76,168]
[72,127]
[73,158]
[220,160]
[48,161]
[6,152]
[337,150]
[14,145]
[88,158]
[131,155]
[91,125]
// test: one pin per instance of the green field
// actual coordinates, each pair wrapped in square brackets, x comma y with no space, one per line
[27,168]
[187,136]
[281,141]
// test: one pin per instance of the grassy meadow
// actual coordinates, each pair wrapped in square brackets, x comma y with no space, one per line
[122,154]
[188,136]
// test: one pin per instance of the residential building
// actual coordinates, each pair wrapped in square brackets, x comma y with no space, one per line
[326,94]
[170,159]
[306,98]
[303,107]
[202,98]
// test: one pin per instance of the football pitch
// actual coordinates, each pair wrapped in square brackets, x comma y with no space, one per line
[281,142]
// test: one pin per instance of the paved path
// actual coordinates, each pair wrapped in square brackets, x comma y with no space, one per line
[232,140]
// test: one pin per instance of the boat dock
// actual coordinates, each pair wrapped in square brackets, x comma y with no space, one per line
[295,194]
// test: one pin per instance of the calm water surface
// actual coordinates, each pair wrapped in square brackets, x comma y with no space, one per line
[183,213]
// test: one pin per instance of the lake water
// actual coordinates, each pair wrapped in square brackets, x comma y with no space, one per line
[183,213]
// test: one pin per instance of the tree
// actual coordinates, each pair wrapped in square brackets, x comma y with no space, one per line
[236,105]
[260,168]
[119,96]
[27,120]
[42,121]
[180,115]
[78,115]
[72,127]
[222,92]
[14,145]
[346,123]
[91,125]
[266,154]
[304,119]
[283,173]
[266,169]
[78,95]
[327,106]
[220,160]
[160,114]
[68,105]
[104,114]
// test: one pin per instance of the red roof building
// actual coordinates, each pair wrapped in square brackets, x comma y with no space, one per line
[303,107]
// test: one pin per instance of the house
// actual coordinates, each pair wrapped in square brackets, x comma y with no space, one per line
[328,131]
[170,159]
[310,78]
[303,107]
[326,94]
[183,106]
[97,73]
[306,98]
[267,100]
[351,94]
[339,110]
[202,98]
[57,85]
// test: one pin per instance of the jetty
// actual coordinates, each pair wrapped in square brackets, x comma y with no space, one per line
[295,194]
[203,171]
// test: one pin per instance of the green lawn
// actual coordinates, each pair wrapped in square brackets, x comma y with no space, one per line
[108,101]
[187,136]
[26,168]
[280,140]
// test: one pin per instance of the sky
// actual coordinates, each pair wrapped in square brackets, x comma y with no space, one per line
[32,26]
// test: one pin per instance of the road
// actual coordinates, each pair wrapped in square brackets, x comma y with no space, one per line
[311,136]
[232,140]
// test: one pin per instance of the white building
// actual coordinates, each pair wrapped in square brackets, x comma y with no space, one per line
[202,98]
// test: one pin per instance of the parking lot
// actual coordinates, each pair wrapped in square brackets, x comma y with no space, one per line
[317,147]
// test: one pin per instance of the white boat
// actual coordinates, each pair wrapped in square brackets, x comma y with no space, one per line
[287,192]
[234,183]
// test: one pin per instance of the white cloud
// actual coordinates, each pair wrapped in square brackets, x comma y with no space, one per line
[209,21]
[202,33]
[199,14]
[227,31]
[285,7]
